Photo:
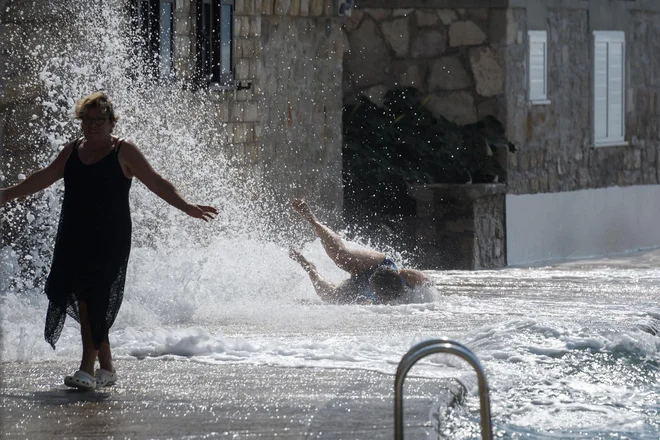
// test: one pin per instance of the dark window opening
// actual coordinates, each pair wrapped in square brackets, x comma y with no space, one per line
[153,27]
[215,30]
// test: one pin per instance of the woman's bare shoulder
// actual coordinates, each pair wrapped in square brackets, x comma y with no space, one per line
[66,150]
[128,149]
[127,142]
[71,144]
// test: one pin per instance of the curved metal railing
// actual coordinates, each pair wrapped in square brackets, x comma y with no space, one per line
[432,346]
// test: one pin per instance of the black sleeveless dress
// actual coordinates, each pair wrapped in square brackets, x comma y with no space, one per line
[92,246]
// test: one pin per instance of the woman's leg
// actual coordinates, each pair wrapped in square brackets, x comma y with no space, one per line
[89,353]
[105,357]
[324,289]
[353,261]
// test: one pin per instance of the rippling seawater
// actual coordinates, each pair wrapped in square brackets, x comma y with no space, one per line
[569,350]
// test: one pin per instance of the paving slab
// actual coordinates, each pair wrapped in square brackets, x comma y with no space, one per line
[179,398]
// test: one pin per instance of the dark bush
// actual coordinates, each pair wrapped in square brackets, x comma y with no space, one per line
[386,149]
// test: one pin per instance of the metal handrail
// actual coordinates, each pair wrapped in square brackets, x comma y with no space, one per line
[432,346]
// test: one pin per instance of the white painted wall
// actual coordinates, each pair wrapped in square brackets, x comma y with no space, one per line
[579,224]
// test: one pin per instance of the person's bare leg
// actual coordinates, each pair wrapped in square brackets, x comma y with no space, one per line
[105,357]
[353,261]
[89,353]
[324,289]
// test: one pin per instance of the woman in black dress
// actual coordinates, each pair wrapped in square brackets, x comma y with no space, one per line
[93,241]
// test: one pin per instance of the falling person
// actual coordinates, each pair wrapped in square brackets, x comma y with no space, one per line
[375,278]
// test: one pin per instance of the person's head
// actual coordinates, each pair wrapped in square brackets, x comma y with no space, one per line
[387,284]
[97,115]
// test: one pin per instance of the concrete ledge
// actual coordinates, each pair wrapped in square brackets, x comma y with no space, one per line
[582,224]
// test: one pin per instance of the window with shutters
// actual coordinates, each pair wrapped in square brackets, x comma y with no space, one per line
[214,41]
[609,87]
[538,67]
[154,31]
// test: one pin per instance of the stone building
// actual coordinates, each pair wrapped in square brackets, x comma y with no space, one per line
[574,82]
[273,69]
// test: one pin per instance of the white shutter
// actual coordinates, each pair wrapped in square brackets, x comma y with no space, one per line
[609,87]
[538,65]
[615,117]
[600,92]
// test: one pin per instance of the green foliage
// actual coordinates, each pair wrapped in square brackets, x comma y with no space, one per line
[386,149]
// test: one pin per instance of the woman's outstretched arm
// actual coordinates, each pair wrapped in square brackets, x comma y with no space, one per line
[39,180]
[139,166]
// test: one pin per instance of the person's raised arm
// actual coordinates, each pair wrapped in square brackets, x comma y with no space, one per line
[415,278]
[39,180]
[139,166]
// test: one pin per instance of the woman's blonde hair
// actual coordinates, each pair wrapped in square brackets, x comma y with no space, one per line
[98,100]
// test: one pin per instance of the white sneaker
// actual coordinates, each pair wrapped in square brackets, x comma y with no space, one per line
[82,380]
[105,378]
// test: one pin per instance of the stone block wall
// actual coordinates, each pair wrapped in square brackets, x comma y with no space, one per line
[452,52]
[643,124]
[556,140]
[237,111]
[285,130]
[301,127]
[470,59]
[446,53]
[26,27]
[301,131]
[460,226]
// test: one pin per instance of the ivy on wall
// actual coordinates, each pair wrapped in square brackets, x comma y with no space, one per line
[386,149]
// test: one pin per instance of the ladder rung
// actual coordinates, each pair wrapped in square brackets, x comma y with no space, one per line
[432,346]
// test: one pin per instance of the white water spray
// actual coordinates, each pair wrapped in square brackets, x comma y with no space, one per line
[181,271]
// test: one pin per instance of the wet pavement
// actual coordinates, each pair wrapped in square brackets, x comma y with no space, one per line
[179,398]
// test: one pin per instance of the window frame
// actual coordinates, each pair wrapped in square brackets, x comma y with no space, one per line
[147,31]
[533,38]
[609,37]
[171,73]
[210,70]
